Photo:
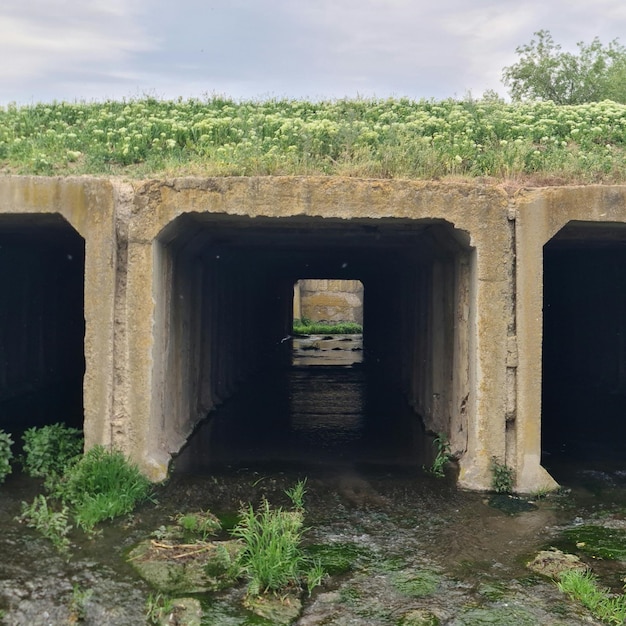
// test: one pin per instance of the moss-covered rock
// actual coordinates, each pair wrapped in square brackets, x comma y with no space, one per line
[552,563]
[186,568]
[279,610]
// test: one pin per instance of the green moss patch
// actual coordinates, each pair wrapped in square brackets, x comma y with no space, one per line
[416,584]
[338,558]
[598,541]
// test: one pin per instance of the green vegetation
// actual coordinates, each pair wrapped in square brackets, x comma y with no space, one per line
[78,603]
[583,587]
[198,526]
[53,525]
[102,485]
[6,455]
[158,608]
[338,558]
[424,139]
[598,541]
[50,450]
[502,476]
[441,457]
[416,585]
[272,558]
[307,327]
[543,72]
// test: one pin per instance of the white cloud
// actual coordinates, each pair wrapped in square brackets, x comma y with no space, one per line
[50,41]
[75,49]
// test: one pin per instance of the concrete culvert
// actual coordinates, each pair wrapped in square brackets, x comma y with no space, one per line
[42,267]
[224,291]
[584,344]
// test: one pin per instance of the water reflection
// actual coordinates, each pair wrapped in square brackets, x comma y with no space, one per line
[326,409]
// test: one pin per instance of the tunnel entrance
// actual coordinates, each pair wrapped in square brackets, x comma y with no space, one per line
[584,344]
[225,291]
[42,267]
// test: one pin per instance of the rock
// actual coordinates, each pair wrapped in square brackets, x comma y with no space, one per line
[280,611]
[419,617]
[553,563]
[185,568]
[185,612]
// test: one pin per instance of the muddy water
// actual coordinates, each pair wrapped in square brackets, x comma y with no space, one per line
[420,549]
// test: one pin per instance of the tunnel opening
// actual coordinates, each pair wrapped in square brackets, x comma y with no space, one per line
[224,290]
[584,345]
[42,268]
[328,322]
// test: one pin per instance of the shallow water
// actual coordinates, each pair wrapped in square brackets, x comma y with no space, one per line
[422,548]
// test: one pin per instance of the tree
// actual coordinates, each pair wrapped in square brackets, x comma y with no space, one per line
[544,72]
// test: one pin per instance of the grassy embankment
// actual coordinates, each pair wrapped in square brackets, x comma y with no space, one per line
[532,143]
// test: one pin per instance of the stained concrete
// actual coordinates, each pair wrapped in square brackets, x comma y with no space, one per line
[188,287]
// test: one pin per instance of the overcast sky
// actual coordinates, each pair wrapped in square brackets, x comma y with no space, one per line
[250,49]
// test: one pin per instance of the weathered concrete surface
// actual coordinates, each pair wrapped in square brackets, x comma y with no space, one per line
[177,271]
[326,300]
[474,388]
[541,214]
[88,205]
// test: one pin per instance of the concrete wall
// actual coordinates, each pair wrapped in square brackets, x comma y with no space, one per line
[179,276]
[327,300]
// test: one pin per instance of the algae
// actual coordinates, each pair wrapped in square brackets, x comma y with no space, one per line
[598,541]
[338,558]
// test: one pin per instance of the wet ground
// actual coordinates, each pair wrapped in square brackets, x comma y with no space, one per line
[420,551]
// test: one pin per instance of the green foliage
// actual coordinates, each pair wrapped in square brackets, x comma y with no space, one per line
[6,455]
[583,587]
[296,494]
[441,457]
[306,327]
[544,72]
[158,608]
[78,603]
[338,557]
[54,525]
[198,526]
[272,557]
[368,138]
[502,476]
[416,585]
[50,450]
[102,485]
[598,541]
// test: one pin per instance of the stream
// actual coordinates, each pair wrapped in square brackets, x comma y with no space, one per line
[421,551]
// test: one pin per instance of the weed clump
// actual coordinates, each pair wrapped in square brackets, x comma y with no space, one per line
[583,587]
[272,558]
[50,450]
[502,476]
[102,485]
[442,456]
[85,489]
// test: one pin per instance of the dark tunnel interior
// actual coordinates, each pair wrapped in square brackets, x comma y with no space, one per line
[42,261]
[231,309]
[584,344]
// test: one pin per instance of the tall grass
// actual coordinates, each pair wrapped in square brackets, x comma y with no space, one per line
[583,587]
[368,138]
[102,485]
[272,558]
